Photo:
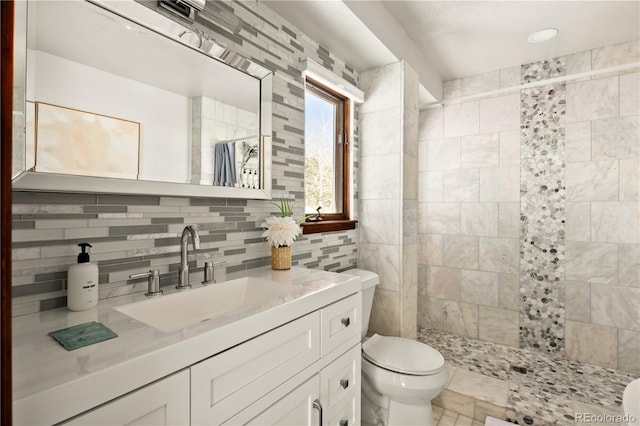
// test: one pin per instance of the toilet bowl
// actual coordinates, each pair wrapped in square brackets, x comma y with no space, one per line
[400,376]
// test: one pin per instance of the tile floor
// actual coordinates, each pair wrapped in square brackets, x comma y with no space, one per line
[552,391]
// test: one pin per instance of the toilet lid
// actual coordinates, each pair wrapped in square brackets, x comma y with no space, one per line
[403,355]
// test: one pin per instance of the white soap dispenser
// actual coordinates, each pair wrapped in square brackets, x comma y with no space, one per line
[82,282]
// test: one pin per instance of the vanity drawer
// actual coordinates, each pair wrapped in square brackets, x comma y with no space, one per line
[341,322]
[347,414]
[340,381]
[225,384]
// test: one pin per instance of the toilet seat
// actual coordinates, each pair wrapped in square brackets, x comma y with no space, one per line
[403,355]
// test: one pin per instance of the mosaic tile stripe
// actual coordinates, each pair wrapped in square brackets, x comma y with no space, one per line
[542,208]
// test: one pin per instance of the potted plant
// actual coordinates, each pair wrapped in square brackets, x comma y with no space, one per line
[280,232]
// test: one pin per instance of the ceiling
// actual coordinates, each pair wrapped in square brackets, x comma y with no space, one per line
[445,40]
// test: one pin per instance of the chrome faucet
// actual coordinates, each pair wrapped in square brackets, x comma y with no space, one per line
[183,271]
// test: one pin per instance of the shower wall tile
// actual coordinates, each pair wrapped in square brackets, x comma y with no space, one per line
[480,83]
[498,325]
[509,77]
[629,265]
[431,124]
[443,154]
[615,222]
[431,249]
[630,94]
[443,283]
[592,181]
[480,151]
[579,62]
[448,315]
[618,54]
[593,99]
[431,187]
[461,185]
[591,262]
[578,301]
[381,131]
[510,148]
[409,221]
[562,190]
[578,225]
[409,311]
[386,321]
[385,260]
[593,344]
[443,218]
[629,350]
[373,183]
[479,219]
[452,89]
[409,177]
[461,119]
[615,138]
[509,292]
[460,251]
[382,89]
[578,141]
[500,184]
[384,217]
[509,220]
[500,113]
[499,255]
[410,132]
[629,180]
[615,306]
[479,287]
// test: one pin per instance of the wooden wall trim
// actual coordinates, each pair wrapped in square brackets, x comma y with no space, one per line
[6,143]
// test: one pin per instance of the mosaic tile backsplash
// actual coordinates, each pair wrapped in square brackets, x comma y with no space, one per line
[529,211]
[135,233]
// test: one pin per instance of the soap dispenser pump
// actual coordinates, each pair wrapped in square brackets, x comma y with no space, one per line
[82,282]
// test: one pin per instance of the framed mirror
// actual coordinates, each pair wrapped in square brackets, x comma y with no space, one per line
[112,96]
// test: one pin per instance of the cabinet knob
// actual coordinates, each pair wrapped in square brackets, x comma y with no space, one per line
[344,383]
[344,422]
[346,321]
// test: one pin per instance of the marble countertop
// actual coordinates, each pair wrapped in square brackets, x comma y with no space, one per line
[51,384]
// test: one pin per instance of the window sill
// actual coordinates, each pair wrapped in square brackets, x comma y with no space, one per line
[328,226]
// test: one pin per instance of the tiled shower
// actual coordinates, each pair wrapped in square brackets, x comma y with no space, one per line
[529,213]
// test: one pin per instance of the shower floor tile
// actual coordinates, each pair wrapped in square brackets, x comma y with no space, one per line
[552,391]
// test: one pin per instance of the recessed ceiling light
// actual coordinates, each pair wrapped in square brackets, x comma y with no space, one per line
[542,35]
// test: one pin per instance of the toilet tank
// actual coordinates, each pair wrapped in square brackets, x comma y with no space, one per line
[369,281]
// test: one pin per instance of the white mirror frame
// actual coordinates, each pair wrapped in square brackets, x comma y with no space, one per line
[50,182]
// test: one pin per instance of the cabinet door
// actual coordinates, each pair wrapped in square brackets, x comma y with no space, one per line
[340,389]
[296,408]
[225,384]
[165,402]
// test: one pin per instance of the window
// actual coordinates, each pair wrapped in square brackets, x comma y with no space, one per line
[327,159]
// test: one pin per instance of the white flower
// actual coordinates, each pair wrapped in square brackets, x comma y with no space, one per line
[281,231]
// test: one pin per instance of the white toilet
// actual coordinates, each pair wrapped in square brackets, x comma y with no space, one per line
[400,376]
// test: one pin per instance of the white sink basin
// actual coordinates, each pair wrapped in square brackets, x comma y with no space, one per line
[179,310]
[631,403]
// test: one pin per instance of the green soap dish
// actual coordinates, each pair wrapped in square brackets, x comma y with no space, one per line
[82,335]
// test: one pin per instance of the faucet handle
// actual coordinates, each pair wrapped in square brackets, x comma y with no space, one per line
[153,284]
[209,274]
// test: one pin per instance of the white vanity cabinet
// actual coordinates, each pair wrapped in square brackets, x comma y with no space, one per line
[298,393]
[165,402]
